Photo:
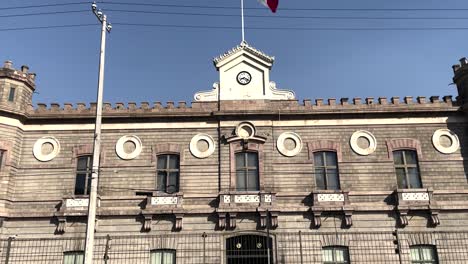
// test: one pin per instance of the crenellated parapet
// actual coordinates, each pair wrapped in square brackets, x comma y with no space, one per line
[318,106]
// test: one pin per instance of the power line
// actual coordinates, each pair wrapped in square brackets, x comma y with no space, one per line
[233,15]
[45,13]
[251,28]
[284,8]
[232,7]
[288,17]
[44,5]
[46,27]
[296,28]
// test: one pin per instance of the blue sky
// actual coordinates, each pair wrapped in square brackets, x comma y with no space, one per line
[148,63]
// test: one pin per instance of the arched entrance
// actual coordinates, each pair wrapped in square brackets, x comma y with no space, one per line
[249,249]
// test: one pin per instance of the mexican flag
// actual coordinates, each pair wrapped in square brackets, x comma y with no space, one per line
[272,4]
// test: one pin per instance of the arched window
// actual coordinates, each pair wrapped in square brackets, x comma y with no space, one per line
[249,249]
[247,176]
[84,168]
[73,257]
[326,170]
[424,254]
[407,169]
[335,255]
[168,173]
[163,256]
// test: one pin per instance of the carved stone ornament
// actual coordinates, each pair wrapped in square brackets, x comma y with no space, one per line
[445,148]
[178,221]
[222,220]
[280,94]
[207,150]
[232,220]
[247,198]
[366,135]
[46,148]
[164,200]
[289,151]
[147,221]
[120,147]
[208,95]
[76,202]
[263,218]
[274,219]
[317,218]
[61,224]
[403,215]
[435,217]
[245,130]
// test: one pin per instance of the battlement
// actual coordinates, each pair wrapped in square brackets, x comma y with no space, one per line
[22,75]
[344,105]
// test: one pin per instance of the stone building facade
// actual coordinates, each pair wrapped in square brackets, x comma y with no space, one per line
[245,174]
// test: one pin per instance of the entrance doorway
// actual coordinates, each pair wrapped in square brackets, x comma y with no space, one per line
[249,249]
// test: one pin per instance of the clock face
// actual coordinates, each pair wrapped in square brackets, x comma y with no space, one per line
[244,78]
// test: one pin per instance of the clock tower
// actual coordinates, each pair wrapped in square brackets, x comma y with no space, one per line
[244,74]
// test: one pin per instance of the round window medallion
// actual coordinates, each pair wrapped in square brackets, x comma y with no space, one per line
[245,130]
[46,148]
[202,146]
[445,141]
[128,147]
[289,144]
[363,142]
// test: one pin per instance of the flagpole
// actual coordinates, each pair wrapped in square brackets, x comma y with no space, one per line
[242,16]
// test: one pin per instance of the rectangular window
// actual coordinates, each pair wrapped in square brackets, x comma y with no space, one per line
[168,173]
[423,254]
[407,169]
[11,96]
[247,177]
[335,255]
[163,256]
[326,170]
[84,168]
[2,156]
[73,257]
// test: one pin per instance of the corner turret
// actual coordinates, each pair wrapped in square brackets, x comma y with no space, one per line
[16,88]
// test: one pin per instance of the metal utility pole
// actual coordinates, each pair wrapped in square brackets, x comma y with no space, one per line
[90,226]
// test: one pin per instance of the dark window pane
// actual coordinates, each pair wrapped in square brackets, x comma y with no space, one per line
[11,96]
[332,179]
[241,182]
[2,154]
[411,157]
[318,159]
[320,178]
[162,162]
[401,178]
[398,157]
[172,184]
[173,162]
[415,181]
[82,163]
[80,184]
[240,160]
[252,159]
[330,158]
[161,181]
[252,176]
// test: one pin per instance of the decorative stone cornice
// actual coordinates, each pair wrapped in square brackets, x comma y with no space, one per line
[244,46]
